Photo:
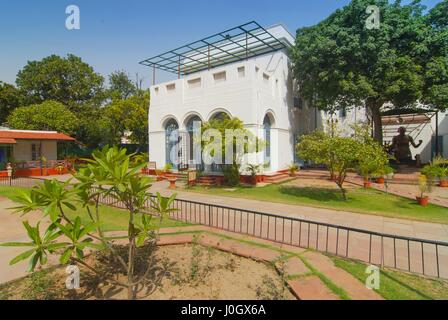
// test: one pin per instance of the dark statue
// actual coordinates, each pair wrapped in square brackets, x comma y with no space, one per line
[400,147]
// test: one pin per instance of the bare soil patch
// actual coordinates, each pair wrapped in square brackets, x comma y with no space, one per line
[179,272]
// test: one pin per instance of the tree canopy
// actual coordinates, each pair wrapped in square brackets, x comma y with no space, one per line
[102,114]
[49,115]
[121,86]
[341,153]
[68,80]
[10,98]
[341,63]
[131,115]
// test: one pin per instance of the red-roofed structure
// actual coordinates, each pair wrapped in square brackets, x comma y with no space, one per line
[34,135]
[32,153]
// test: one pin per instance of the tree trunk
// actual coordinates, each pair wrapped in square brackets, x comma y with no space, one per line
[374,108]
[131,256]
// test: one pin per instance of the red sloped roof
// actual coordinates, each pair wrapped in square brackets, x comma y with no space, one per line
[34,135]
[7,141]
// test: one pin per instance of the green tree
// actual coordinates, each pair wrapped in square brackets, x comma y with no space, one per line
[68,80]
[373,160]
[337,152]
[109,174]
[95,129]
[129,115]
[341,63]
[49,115]
[10,98]
[249,143]
[121,86]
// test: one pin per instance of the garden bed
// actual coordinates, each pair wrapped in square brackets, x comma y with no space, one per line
[178,272]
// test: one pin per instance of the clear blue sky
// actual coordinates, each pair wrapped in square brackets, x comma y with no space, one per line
[118,34]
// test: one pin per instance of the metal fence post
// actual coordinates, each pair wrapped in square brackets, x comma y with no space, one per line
[209,216]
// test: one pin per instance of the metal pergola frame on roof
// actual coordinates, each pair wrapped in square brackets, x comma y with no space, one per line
[235,44]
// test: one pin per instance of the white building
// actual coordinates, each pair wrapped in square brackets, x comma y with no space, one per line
[252,82]
[243,72]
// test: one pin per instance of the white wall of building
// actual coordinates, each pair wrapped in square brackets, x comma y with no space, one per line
[250,89]
[22,149]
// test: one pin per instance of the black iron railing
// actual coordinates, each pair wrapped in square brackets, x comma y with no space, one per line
[423,256]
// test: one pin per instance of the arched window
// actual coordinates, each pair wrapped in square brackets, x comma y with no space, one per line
[190,130]
[267,139]
[171,142]
[220,116]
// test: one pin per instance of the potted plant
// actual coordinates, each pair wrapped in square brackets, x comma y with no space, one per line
[380,175]
[60,168]
[159,175]
[293,169]
[443,177]
[253,171]
[168,168]
[424,188]
[438,168]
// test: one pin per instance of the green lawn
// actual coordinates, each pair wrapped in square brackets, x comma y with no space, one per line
[395,285]
[114,219]
[360,200]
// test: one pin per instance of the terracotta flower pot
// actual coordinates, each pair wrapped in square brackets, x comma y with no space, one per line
[422,201]
[367,183]
[443,183]
[380,180]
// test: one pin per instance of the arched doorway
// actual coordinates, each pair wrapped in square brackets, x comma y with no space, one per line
[171,142]
[267,123]
[190,131]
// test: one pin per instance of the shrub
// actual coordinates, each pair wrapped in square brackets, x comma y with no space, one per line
[438,168]
[231,174]
[40,286]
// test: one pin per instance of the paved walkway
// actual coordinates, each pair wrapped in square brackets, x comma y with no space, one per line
[12,230]
[402,227]
[428,259]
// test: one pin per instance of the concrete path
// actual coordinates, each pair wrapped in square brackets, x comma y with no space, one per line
[242,217]
[12,230]
[402,227]
[428,258]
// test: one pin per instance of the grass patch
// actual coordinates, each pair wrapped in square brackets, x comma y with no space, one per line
[395,285]
[360,200]
[113,219]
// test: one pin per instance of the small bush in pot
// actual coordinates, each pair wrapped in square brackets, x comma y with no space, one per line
[424,187]
[253,171]
[438,168]
[293,169]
